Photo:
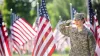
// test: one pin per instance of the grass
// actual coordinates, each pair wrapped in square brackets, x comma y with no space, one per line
[55,54]
[60,54]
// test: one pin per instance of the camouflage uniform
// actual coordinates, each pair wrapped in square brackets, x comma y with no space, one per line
[82,43]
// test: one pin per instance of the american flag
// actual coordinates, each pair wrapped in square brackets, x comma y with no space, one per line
[21,32]
[93,20]
[44,45]
[4,42]
[94,27]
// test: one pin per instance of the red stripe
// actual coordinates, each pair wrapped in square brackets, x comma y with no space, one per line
[52,50]
[17,49]
[2,46]
[27,29]
[41,42]
[18,37]
[17,32]
[29,25]
[45,35]
[26,22]
[37,38]
[26,32]
[6,40]
[47,45]
[22,30]
[1,52]
[95,54]
[2,29]
[41,18]
[16,41]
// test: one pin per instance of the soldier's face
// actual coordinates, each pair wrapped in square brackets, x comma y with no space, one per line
[78,23]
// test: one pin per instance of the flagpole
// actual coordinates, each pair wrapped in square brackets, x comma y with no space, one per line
[37,10]
[71,11]
[60,17]
[10,34]
[87,10]
[11,44]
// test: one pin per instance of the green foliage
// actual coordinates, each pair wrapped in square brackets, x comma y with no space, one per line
[21,7]
[55,9]
[61,8]
[52,14]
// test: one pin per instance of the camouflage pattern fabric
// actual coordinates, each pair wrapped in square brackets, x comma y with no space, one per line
[82,43]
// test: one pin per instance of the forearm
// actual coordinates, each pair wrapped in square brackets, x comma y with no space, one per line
[63,29]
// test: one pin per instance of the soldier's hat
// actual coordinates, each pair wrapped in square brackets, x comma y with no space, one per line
[79,16]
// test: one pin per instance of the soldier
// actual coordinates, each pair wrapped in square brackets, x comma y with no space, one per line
[82,39]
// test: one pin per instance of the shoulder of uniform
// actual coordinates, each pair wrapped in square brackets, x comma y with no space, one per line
[89,31]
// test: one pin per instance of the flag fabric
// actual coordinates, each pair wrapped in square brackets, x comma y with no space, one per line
[94,27]
[92,19]
[21,32]
[61,41]
[4,42]
[97,50]
[44,45]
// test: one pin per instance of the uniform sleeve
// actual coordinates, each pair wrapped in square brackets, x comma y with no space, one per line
[92,44]
[64,30]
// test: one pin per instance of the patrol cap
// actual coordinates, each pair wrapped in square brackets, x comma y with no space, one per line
[79,16]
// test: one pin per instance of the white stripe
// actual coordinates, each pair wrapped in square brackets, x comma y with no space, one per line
[96,21]
[20,37]
[15,38]
[4,44]
[27,29]
[98,32]
[49,48]
[97,50]
[16,25]
[4,28]
[44,44]
[1,50]
[41,35]
[22,27]
[57,35]
[6,34]
[42,22]
[30,28]
[17,47]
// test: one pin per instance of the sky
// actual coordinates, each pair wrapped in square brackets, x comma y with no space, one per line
[1,1]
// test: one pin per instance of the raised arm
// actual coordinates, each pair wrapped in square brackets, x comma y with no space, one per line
[64,28]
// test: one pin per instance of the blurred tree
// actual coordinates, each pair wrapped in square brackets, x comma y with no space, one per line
[61,8]
[20,7]
[55,9]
